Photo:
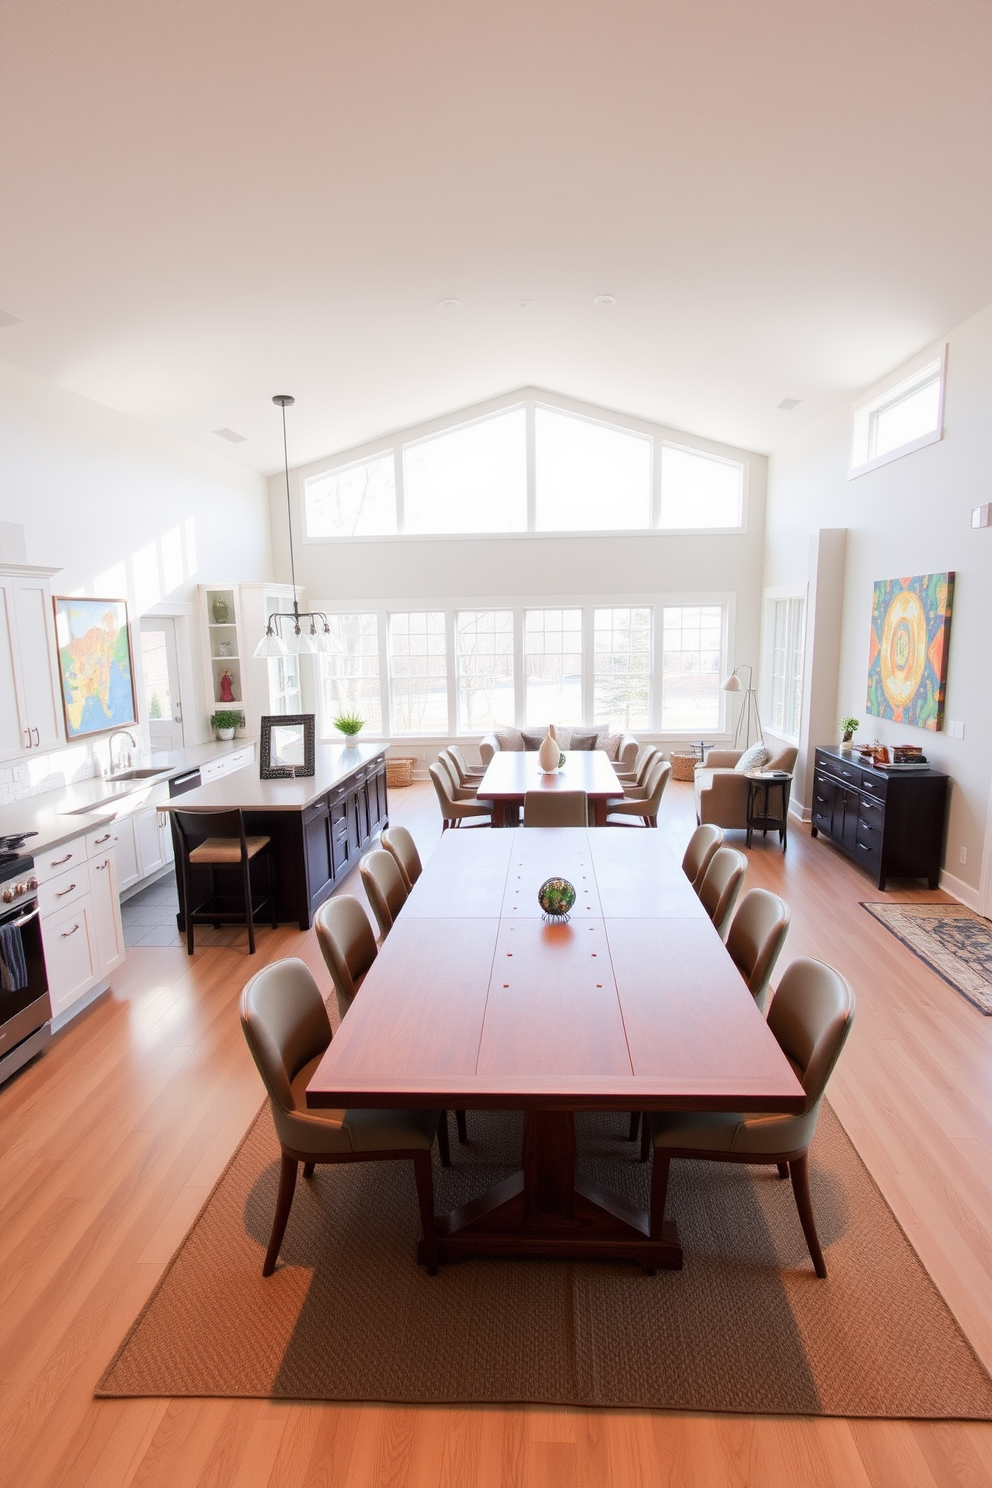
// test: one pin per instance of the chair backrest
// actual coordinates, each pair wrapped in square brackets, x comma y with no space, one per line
[487,748]
[442,787]
[702,845]
[384,886]
[756,937]
[460,763]
[196,826]
[645,761]
[721,884]
[397,840]
[566,808]
[450,774]
[811,1016]
[347,945]
[654,786]
[286,1026]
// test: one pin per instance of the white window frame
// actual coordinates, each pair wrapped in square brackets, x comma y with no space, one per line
[886,394]
[517,604]
[529,399]
[770,598]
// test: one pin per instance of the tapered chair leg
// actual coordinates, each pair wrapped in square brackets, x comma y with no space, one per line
[783,1170]
[443,1149]
[799,1173]
[645,1138]
[308,1169]
[635,1126]
[425,1192]
[284,1201]
[249,913]
[659,1191]
[462,1127]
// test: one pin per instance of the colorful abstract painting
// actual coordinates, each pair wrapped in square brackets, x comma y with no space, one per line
[907,659]
[94,665]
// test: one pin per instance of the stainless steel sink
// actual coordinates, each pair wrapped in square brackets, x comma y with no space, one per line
[145,774]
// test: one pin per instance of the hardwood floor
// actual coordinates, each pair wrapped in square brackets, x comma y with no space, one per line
[112,1141]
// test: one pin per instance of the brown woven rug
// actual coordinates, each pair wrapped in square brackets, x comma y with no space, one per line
[953,940]
[745,1327]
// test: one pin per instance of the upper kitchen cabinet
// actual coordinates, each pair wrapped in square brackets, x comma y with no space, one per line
[30,712]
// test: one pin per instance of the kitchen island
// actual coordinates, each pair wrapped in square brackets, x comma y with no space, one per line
[319,825]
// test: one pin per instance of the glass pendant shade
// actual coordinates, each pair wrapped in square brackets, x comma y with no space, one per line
[271,644]
[306,643]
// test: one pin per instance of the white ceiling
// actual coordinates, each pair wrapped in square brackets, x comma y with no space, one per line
[206,203]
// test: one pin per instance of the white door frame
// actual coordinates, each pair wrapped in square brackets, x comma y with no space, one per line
[182,615]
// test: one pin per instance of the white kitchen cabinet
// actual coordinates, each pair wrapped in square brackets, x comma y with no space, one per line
[30,714]
[71,957]
[117,836]
[108,930]
[152,841]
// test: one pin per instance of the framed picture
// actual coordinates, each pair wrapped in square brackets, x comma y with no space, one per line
[907,657]
[96,672]
[286,746]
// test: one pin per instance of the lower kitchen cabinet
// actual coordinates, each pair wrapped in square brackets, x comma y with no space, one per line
[81,927]
[107,926]
[71,956]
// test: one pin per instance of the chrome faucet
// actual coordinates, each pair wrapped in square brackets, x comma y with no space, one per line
[124,760]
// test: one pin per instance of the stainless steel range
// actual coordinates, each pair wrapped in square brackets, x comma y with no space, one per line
[25,1008]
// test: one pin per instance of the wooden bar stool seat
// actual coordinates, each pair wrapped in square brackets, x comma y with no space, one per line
[217,840]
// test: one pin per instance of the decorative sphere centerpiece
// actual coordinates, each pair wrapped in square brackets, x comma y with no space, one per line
[556,897]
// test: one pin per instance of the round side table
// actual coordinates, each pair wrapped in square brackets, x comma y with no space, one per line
[766,791]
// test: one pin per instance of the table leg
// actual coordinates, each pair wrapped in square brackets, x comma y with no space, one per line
[600,810]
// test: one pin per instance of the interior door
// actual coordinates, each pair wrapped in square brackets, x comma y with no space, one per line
[160,671]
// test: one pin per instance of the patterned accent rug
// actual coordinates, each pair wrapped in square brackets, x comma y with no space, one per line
[954,942]
[746,1327]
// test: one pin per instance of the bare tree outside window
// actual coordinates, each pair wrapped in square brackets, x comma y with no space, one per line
[553,665]
[349,674]
[484,661]
[418,668]
[692,666]
[622,667]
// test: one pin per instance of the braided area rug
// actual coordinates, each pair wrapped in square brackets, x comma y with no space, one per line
[745,1327]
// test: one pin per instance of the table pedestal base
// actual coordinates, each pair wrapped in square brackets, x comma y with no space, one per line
[546,1212]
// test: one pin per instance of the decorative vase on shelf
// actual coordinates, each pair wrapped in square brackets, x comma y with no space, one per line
[226,694]
[549,753]
[221,610]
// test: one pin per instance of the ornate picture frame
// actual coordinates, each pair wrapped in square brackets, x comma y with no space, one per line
[287,746]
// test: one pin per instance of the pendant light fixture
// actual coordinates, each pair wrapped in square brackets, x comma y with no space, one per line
[309,631]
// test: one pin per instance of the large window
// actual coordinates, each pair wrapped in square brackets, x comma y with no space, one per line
[622,667]
[484,669]
[900,417]
[349,674]
[525,467]
[590,477]
[553,665]
[418,672]
[788,633]
[692,651]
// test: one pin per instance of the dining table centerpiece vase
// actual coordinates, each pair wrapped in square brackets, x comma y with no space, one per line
[550,752]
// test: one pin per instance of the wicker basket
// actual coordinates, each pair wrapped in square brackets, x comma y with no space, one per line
[399,770]
[683,766]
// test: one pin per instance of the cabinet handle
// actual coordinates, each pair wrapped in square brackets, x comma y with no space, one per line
[99,867]
[27,738]
[105,838]
[37,738]
[61,893]
[66,933]
[57,862]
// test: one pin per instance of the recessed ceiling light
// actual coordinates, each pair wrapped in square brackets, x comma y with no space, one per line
[524,304]
[231,435]
[449,304]
[605,300]
[790,403]
[7,320]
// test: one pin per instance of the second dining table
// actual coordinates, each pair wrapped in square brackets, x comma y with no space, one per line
[633,1004]
[511,773]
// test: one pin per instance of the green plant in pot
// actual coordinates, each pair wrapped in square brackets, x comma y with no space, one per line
[349,724]
[226,720]
[848,728]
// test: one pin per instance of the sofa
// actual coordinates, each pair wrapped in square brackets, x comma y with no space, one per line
[721,790]
[620,748]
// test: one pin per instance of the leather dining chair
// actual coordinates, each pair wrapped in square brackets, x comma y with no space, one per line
[347,945]
[645,806]
[567,808]
[466,772]
[721,883]
[217,839]
[399,842]
[755,939]
[811,1017]
[702,845]
[384,885]
[287,1029]
[647,755]
[453,812]
[462,790]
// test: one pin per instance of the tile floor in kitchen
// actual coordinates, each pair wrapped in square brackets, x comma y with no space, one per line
[149,919]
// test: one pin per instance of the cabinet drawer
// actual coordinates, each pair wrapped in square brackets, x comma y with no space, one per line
[872,813]
[868,849]
[57,893]
[103,839]
[55,860]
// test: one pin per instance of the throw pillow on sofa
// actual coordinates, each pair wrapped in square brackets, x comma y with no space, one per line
[582,741]
[509,739]
[533,739]
[752,759]
[610,744]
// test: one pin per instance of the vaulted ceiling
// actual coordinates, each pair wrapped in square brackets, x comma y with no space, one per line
[204,204]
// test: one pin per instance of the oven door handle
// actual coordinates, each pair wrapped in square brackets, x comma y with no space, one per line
[24,920]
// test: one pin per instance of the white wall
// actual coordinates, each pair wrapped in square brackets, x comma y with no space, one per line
[908,517]
[122,509]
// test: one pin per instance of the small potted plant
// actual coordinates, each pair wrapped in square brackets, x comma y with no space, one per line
[350,725]
[225,721]
[848,728]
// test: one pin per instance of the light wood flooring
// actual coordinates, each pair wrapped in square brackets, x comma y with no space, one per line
[111,1142]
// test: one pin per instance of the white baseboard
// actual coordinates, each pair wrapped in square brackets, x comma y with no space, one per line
[959,890]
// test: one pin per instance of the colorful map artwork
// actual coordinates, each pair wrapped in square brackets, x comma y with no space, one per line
[95,665]
[907,658]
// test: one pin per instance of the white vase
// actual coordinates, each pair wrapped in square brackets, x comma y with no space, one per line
[549,752]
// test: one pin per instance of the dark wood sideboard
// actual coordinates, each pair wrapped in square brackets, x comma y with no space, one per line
[891,823]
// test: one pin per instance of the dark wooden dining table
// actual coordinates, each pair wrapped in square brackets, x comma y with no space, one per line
[633,1004]
[511,773]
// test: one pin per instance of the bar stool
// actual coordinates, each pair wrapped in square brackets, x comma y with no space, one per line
[216,839]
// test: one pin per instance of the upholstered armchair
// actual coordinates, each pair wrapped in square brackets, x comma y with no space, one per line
[721,790]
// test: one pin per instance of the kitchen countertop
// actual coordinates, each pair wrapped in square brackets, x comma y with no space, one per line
[334,763]
[59,815]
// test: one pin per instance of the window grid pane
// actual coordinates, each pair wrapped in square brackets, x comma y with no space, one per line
[787,666]
[484,669]
[621,668]
[349,674]
[419,672]
[590,477]
[692,663]
[359,501]
[700,490]
[468,479]
[553,665]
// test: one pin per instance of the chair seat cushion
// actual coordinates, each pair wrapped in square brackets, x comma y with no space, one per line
[354,1130]
[225,849]
[384,1131]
